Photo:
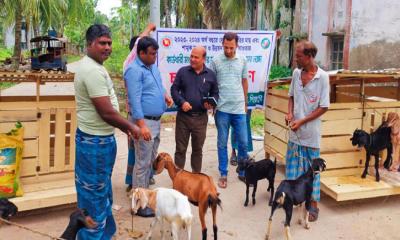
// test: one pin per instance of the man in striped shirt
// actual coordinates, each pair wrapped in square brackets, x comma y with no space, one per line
[231,71]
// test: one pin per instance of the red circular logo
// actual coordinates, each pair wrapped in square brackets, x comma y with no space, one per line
[166,42]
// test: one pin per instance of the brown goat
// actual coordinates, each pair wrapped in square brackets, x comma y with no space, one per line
[198,187]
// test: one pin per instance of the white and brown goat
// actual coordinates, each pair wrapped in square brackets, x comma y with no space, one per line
[198,187]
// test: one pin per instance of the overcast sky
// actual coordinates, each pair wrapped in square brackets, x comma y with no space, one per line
[105,6]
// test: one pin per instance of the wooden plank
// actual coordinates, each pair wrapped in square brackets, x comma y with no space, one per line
[346,98]
[351,105]
[33,105]
[44,141]
[32,99]
[336,144]
[276,131]
[379,91]
[354,187]
[53,177]
[343,160]
[278,103]
[340,127]
[339,114]
[274,154]
[275,116]
[46,198]
[31,129]
[18,115]
[59,151]
[72,140]
[279,92]
[42,186]
[357,171]
[28,167]
[31,147]
[276,144]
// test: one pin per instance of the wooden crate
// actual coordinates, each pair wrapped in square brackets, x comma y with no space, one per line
[345,163]
[47,167]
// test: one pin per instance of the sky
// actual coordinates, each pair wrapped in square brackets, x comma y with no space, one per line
[105,6]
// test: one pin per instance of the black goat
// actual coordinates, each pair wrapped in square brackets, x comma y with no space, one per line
[7,209]
[295,192]
[77,220]
[255,171]
[373,144]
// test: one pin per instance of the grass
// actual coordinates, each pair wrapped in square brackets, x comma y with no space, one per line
[257,121]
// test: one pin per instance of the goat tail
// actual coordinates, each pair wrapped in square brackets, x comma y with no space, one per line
[214,201]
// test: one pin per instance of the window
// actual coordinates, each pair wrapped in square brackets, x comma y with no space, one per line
[337,53]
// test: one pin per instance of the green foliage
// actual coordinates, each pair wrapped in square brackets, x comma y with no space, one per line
[257,121]
[278,71]
[72,58]
[5,53]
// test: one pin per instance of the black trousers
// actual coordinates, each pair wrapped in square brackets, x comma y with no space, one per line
[190,126]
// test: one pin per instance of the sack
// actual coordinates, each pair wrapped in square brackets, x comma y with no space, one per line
[11,146]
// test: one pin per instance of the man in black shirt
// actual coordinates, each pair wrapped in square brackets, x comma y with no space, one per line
[191,84]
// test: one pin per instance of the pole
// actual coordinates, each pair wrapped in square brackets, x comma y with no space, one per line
[155,12]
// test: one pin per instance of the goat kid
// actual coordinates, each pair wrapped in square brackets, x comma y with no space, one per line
[373,144]
[198,187]
[7,209]
[295,192]
[168,204]
[78,219]
[393,121]
[255,171]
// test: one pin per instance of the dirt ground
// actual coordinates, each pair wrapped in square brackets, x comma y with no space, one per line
[363,219]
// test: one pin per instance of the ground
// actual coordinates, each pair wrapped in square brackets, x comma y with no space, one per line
[363,219]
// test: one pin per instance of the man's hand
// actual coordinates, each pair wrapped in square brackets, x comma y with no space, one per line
[145,132]
[288,118]
[134,131]
[151,27]
[295,125]
[169,101]
[208,106]
[186,106]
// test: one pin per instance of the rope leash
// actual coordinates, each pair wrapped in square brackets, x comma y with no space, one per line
[29,229]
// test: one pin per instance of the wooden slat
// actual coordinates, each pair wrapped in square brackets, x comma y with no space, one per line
[28,167]
[340,127]
[336,144]
[275,116]
[30,148]
[278,103]
[275,144]
[31,129]
[41,105]
[343,160]
[14,116]
[276,131]
[351,105]
[46,198]
[59,151]
[53,177]
[44,138]
[48,185]
[342,172]
[72,140]
[380,91]
[331,115]
[279,92]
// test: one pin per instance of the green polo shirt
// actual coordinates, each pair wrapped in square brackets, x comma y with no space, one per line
[230,73]
[91,81]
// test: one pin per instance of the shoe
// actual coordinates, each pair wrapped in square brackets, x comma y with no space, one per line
[147,212]
[129,188]
[242,178]
[152,181]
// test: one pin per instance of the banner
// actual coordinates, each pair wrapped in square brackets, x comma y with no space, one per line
[256,46]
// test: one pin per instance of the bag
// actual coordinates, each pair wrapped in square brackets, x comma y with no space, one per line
[11,146]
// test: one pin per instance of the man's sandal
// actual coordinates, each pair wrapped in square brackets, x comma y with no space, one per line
[222,182]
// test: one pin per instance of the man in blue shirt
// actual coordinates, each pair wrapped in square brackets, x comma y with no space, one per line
[148,101]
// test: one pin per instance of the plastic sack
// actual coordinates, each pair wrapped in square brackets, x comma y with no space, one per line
[11,146]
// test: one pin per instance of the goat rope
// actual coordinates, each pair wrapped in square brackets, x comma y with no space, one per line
[29,229]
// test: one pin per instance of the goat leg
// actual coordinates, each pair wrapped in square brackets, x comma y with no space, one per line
[287,233]
[214,214]
[174,228]
[152,224]
[268,229]
[272,194]
[215,230]
[246,202]
[377,177]
[254,193]
[189,231]
[301,211]
[364,174]
[204,234]
[202,212]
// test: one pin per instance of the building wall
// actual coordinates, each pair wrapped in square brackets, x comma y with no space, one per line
[375,34]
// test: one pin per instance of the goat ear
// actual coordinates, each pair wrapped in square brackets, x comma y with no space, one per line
[143,198]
